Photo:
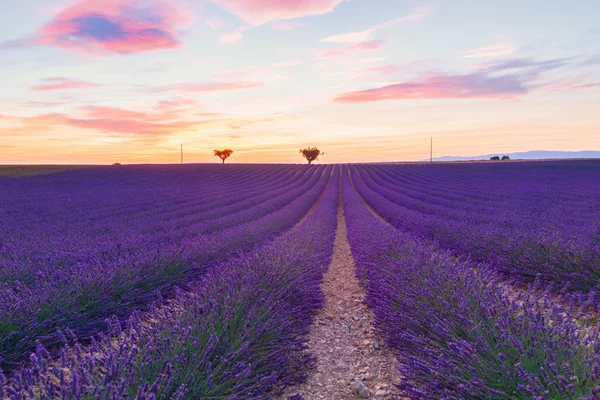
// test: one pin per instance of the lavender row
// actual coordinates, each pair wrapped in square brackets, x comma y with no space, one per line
[457,330]
[116,189]
[79,296]
[33,235]
[40,261]
[553,204]
[237,333]
[501,182]
[522,253]
[24,240]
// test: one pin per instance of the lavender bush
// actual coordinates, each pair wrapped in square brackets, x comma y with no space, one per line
[237,333]
[460,332]
[76,281]
[527,220]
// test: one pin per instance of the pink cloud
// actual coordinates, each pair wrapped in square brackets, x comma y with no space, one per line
[442,87]
[118,120]
[115,26]
[112,113]
[163,111]
[127,126]
[61,84]
[164,119]
[351,50]
[213,87]
[352,37]
[259,12]
[170,105]
[285,25]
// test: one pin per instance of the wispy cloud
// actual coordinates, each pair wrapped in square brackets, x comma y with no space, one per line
[592,61]
[380,70]
[501,49]
[352,37]
[568,84]
[474,85]
[41,104]
[212,87]
[113,26]
[165,119]
[108,123]
[587,86]
[351,50]
[502,80]
[527,64]
[365,35]
[259,12]
[50,84]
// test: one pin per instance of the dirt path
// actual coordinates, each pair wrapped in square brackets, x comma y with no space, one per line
[352,363]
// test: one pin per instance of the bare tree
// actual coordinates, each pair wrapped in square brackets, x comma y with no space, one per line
[311,154]
[223,154]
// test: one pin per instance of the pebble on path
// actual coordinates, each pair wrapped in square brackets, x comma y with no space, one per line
[352,362]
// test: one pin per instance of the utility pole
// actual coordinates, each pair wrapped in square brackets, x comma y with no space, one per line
[431,151]
[181,153]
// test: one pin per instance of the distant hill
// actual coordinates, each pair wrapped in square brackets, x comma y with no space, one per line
[527,155]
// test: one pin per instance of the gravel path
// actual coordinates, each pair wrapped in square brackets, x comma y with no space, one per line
[352,363]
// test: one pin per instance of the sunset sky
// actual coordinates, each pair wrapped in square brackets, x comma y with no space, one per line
[96,82]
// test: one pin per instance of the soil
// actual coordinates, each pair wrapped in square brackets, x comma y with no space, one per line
[351,359]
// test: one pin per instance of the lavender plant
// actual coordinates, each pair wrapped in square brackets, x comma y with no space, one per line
[56,288]
[537,220]
[458,330]
[237,333]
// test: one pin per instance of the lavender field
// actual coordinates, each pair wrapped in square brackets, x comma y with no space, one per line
[203,281]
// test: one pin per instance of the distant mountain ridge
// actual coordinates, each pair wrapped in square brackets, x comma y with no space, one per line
[526,155]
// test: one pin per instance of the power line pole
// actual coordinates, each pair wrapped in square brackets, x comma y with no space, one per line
[181,153]
[431,151]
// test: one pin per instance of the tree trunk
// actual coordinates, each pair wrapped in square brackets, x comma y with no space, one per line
[223,161]
[309,162]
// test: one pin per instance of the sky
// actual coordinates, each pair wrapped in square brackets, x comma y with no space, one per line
[98,82]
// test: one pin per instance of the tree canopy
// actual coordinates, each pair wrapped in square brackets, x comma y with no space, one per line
[311,154]
[223,154]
